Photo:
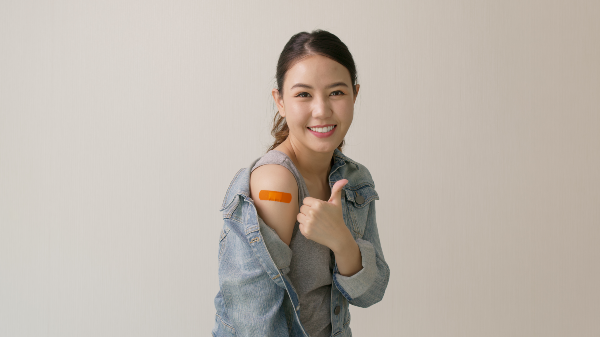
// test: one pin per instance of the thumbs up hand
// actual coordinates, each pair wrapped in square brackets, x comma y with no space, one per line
[322,221]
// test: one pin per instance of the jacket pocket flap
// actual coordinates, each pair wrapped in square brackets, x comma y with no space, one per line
[361,195]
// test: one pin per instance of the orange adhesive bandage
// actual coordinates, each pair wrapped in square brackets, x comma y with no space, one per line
[275,196]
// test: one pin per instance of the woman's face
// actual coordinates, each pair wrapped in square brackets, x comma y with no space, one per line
[317,91]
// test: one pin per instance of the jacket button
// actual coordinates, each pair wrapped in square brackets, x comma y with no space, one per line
[337,310]
[359,198]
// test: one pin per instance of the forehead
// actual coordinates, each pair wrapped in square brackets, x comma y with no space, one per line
[316,70]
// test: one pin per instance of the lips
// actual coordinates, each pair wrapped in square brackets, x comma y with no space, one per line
[322,135]
[322,126]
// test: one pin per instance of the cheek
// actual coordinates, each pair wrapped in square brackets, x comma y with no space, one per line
[346,114]
[345,106]
[297,117]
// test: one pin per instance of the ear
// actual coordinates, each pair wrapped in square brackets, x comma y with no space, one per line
[278,101]
[357,88]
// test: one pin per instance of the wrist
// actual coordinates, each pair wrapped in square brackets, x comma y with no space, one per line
[345,244]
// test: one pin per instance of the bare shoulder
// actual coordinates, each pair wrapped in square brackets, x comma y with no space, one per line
[279,215]
[273,174]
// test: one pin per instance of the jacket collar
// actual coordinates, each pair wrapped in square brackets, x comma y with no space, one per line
[337,153]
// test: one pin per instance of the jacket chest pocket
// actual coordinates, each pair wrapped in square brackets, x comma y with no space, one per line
[358,199]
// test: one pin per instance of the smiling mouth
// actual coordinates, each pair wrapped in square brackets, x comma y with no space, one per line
[322,130]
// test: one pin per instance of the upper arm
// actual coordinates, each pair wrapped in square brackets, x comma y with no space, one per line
[280,216]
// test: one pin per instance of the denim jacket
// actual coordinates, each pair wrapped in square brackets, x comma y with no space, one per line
[256,296]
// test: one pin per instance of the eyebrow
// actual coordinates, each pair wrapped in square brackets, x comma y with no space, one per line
[330,86]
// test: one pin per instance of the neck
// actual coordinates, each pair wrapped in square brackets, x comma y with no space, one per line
[313,166]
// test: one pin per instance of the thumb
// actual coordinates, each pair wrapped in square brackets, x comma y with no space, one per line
[336,192]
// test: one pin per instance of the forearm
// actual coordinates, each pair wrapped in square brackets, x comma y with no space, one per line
[348,258]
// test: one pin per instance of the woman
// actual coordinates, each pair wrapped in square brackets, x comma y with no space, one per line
[300,240]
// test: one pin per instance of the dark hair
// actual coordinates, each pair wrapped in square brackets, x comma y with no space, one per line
[318,42]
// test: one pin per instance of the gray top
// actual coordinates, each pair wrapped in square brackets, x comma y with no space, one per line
[311,267]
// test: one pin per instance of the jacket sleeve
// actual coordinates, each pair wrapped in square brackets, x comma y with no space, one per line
[367,286]
[252,301]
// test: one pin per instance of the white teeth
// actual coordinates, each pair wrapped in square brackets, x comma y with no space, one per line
[322,130]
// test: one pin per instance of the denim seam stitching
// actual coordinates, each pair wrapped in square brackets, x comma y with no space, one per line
[231,209]
[251,229]
[353,220]
[235,220]
[229,326]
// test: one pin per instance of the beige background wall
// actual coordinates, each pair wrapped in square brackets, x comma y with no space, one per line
[123,123]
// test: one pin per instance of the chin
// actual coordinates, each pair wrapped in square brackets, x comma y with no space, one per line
[325,148]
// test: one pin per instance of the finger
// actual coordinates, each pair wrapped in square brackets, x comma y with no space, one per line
[336,190]
[304,209]
[301,228]
[310,201]
[301,218]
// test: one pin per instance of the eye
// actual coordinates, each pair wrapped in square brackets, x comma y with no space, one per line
[302,94]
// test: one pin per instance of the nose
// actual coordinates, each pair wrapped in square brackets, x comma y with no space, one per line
[321,108]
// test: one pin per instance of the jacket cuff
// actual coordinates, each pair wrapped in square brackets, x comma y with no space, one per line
[354,286]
